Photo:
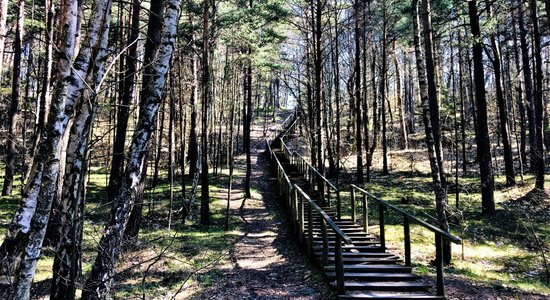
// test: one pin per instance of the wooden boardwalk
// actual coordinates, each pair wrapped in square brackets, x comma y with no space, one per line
[356,262]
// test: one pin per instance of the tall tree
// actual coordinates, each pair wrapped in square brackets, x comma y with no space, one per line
[538,151]
[123,107]
[502,106]
[424,60]
[357,92]
[206,98]
[482,133]
[13,116]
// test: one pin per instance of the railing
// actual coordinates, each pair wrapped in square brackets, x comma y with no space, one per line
[299,199]
[407,218]
[296,199]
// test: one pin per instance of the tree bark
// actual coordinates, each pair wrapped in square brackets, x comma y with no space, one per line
[18,230]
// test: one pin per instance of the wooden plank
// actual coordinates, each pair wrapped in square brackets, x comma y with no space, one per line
[377,276]
[372,268]
[400,286]
[370,295]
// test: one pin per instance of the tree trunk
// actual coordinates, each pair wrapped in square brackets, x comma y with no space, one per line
[482,134]
[70,207]
[403,138]
[3,21]
[206,94]
[528,81]
[538,151]
[357,93]
[383,79]
[123,108]
[26,232]
[13,116]
[502,108]
[438,173]
[157,57]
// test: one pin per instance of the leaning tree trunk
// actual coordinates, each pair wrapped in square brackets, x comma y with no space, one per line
[100,283]
[11,141]
[67,262]
[26,233]
[482,133]
[18,230]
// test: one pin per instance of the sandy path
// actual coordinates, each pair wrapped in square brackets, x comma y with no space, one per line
[265,263]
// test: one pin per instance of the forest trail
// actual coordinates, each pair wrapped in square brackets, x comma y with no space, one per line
[264,263]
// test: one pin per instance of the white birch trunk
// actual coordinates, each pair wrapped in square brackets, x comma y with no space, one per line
[29,225]
[12,249]
[100,283]
[67,261]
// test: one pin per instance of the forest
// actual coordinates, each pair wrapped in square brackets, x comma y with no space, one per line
[272,149]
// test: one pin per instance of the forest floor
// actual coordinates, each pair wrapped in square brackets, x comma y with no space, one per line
[265,263]
[257,257]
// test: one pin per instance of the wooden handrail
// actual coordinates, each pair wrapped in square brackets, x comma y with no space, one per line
[287,131]
[313,169]
[409,216]
[324,215]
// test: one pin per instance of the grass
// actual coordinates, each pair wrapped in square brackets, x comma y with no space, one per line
[499,251]
[164,261]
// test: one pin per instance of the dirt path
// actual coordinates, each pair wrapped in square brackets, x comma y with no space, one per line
[265,263]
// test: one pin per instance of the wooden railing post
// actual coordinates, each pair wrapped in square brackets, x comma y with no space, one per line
[301,218]
[294,209]
[328,197]
[407,234]
[439,264]
[338,206]
[310,230]
[365,214]
[339,265]
[353,215]
[325,242]
[382,231]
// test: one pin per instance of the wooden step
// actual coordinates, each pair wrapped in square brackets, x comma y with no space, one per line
[377,276]
[355,243]
[399,286]
[364,246]
[372,268]
[386,296]
[350,248]
[379,254]
[365,260]
[349,254]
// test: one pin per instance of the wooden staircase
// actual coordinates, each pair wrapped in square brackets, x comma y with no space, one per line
[369,270]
